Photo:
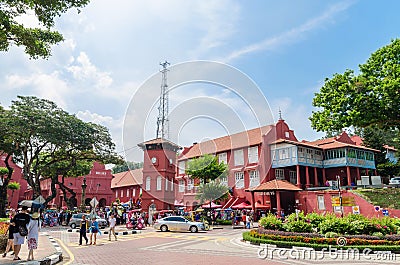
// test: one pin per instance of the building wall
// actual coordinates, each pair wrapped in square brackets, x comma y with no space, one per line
[17,195]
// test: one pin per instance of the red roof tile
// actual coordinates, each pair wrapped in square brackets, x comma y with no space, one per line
[229,142]
[275,184]
[127,178]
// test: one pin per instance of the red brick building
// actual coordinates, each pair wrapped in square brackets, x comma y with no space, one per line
[18,195]
[127,187]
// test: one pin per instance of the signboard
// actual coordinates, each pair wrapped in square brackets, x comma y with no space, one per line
[377,208]
[365,180]
[94,202]
[385,212]
[376,180]
[346,201]
[356,209]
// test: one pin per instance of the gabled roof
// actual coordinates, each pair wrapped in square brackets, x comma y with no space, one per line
[127,178]
[275,185]
[238,140]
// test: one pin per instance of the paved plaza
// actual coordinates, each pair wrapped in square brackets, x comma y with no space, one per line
[219,246]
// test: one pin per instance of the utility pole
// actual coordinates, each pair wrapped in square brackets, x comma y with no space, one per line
[340,196]
[163,109]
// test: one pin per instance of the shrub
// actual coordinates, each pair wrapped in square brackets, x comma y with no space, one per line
[378,234]
[331,235]
[314,219]
[298,226]
[271,222]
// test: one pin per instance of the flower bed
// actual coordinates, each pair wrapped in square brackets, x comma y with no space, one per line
[3,236]
[321,231]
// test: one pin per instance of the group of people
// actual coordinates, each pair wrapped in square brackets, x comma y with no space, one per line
[93,228]
[22,225]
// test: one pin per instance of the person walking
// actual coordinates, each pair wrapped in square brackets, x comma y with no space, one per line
[19,223]
[94,229]
[33,234]
[83,228]
[10,231]
[112,221]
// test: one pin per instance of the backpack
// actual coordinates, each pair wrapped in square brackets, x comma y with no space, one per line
[22,230]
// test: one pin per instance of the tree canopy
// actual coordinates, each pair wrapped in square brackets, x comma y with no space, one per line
[206,168]
[36,41]
[128,165]
[49,142]
[370,98]
[211,191]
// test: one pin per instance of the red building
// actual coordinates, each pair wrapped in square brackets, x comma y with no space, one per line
[127,187]
[273,152]
[17,195]
[98,183]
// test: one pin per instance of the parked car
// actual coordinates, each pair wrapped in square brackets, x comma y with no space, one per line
[177,223]
[76,220]
[395,181]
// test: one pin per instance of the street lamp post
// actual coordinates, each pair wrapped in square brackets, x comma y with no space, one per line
[83,208]
[340,196]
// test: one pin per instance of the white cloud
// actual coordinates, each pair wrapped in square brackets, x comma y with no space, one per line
[292,35]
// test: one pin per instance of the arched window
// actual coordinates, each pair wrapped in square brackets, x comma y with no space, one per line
[166,184]
[148,183]
[159,179]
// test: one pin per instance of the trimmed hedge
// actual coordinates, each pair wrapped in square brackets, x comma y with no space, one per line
[317,246]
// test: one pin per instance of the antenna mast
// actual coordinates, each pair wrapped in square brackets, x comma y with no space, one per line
[163,109]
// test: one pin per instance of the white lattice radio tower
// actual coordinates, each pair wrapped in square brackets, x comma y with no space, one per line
[163,109]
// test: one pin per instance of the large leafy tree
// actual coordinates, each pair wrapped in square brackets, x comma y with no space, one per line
[370,98]
[206,168]
[49,142]
[128,165]
[212,191]
[37,41]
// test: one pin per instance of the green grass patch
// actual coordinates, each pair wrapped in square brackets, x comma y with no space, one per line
[387,198]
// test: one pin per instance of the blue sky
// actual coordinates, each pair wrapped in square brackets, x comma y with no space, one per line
[287,48]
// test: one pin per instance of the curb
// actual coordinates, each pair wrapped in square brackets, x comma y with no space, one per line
[49,260]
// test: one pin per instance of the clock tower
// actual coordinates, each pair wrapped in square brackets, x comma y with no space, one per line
[159,170]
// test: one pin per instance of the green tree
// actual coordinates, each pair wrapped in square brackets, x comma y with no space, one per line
[13,186]
[211,191]
[36,41]
[49,142]
[206,168]
[128,165]
[370,98]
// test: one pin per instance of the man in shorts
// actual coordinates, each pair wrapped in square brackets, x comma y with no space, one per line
[20,219]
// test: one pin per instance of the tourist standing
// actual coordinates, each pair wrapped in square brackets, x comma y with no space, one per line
[10,231]
[33,234]
[94,229]
[82,231]
[21,219]
[112,221]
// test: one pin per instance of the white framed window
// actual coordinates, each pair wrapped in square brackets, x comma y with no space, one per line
[293,177]
[283,153]
[239,180]
[181,185]
[280,174]
[321,202]
[190,184]
[116,194]
[223,181]
[127,192]
[159,184]
[133,192]
[253,154]
[166,184]
[254,178]
[148,183]
[181,166]
[223,157]
[238,157]
[122,193]
[172,184]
